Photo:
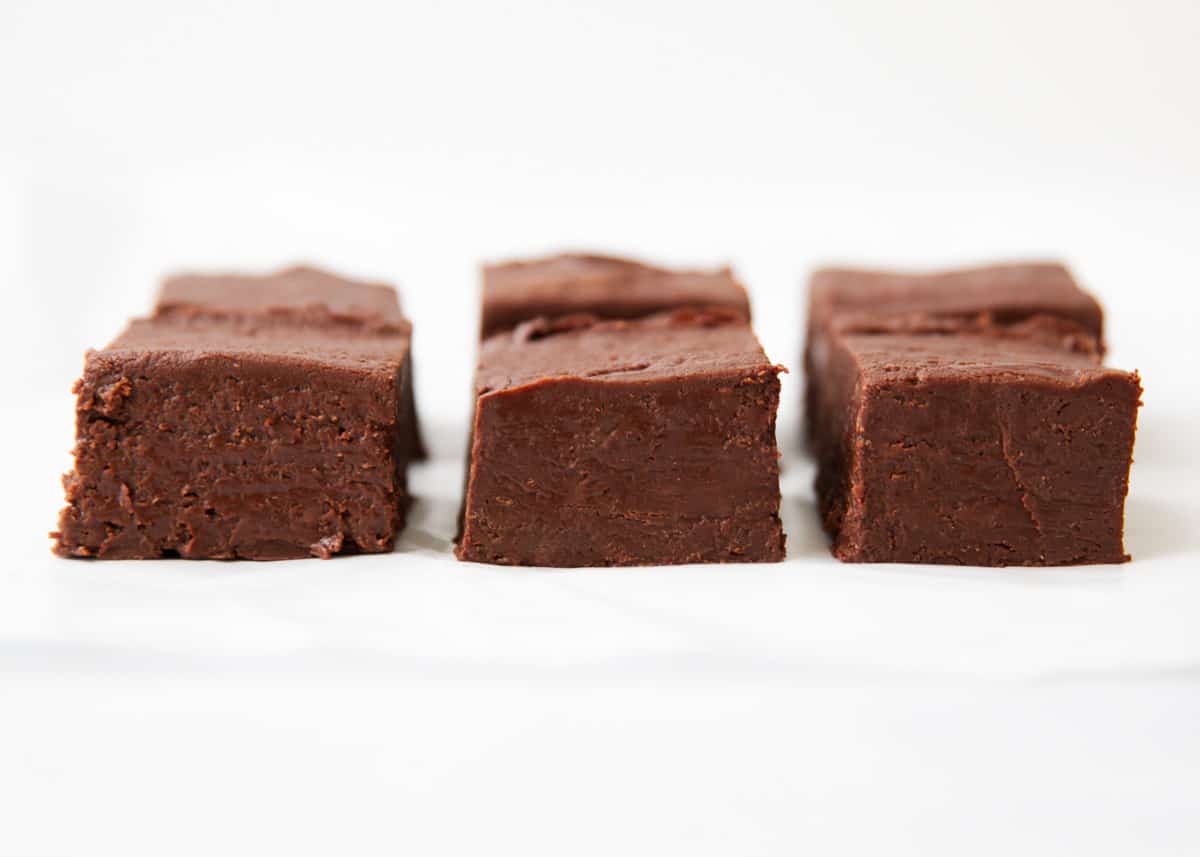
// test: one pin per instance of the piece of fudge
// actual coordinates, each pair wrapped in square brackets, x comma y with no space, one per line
[979,299]
[965,432]
[1025,300]
[299,297]
[249,417]
[600,286]
[649,441]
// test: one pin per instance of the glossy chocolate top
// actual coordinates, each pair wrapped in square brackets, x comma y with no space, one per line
[922,359]
[853,300]
[298,295]
[183,340]
[603,286]
[682,343]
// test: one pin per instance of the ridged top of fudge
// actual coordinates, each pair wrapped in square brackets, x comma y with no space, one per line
[605,286]
[969,357]
[200,338]
[298,295]
[300,317]
[681,344]
[854,300]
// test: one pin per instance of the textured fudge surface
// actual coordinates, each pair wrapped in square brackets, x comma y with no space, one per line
[624,443]
[602,286]
[965,418]
[975,450]
[662,348]
[184,338]
[297,294]
[858,300]
[1035,301]
[264,426]
[305,305]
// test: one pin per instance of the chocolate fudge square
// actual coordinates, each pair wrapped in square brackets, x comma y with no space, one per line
[250,417]
[602,286]
[971,449]
[1037,301]
[600,443]
[972,299]
[300,298]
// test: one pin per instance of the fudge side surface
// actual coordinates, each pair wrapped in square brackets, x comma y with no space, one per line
[964,417]
[649,441]
[249,417]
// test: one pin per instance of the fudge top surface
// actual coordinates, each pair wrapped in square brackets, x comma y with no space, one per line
[667,346]
[298,293]
[970,358]
[179,341]
[299,317]
[860,299]
[604,285]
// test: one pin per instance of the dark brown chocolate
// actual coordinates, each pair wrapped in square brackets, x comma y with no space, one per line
[250,417]
[300,298]
[600,286]
[638,442]
[978,299]
[300,295]
[958,431]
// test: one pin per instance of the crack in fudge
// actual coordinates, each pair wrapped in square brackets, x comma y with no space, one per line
[256,417]
[600,286]
[964,417]
[629,442]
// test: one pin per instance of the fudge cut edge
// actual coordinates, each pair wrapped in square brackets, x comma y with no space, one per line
[610,459]
[576,472]
[1008,466]
[1036,302]
[229,456]
[297,298]
[257,416]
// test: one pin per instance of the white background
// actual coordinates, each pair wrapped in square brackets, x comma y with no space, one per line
[411,704]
